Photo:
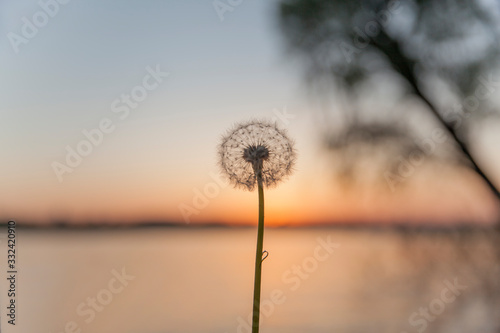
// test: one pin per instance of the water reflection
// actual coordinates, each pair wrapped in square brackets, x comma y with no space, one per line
[321,280]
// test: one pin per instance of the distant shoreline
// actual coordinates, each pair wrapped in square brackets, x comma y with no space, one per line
[374,227]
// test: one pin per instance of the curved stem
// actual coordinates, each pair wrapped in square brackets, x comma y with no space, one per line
[258,258]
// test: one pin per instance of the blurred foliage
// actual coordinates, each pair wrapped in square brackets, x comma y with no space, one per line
[376,54]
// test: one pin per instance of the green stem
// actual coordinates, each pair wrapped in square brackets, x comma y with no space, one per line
[258,259]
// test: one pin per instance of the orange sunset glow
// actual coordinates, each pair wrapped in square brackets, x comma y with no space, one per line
[82,149]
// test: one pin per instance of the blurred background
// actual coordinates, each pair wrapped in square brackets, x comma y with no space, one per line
[111,114]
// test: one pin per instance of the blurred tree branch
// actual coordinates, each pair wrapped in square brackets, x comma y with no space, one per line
[422,42]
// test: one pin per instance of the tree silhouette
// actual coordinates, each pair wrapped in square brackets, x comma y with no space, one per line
[434,55]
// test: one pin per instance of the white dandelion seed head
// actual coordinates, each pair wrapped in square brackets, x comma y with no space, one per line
[256,148]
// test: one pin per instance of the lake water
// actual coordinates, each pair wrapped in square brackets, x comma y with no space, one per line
[161,280]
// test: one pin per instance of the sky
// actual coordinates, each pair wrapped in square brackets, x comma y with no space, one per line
[112,112]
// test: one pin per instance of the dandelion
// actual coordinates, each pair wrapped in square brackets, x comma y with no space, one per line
[257,154]
[256,148]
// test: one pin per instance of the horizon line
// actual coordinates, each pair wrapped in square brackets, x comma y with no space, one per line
[58,224]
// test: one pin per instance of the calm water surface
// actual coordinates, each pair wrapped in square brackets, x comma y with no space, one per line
[162,280]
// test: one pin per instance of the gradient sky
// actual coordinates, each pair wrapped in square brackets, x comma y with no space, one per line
[66,78]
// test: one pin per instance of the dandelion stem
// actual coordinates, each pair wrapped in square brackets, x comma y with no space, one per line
[258,258]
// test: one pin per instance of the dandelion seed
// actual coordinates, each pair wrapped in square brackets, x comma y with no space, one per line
[257,153]
[253,147]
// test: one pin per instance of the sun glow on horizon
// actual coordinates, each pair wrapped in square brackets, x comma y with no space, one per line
[160,163]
